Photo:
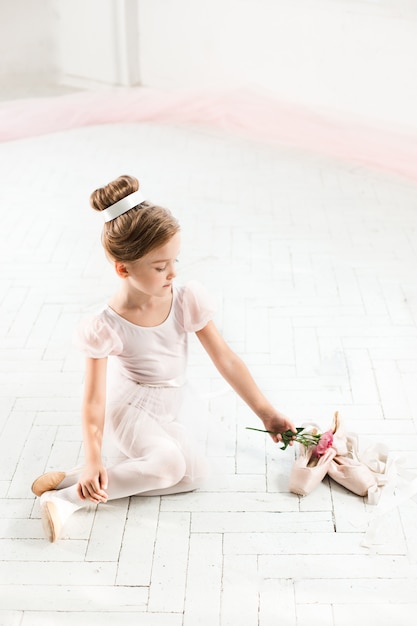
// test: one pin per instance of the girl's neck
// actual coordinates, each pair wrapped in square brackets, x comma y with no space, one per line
[140,308]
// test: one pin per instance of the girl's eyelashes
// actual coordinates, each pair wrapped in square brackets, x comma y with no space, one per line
[162,269]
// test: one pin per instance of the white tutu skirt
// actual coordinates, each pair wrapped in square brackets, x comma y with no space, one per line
[142,418]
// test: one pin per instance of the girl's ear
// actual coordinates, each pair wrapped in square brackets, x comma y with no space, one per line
[121,269]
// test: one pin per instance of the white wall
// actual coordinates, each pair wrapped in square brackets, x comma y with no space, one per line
[81,43]
[353,55]
[28,39]
[98,42]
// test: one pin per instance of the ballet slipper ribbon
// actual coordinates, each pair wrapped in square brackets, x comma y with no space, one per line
[399,486]
[394,484]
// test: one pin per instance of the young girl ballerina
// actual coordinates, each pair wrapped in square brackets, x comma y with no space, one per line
[136,350]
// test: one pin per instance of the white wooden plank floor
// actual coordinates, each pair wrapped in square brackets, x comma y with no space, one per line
[313,263]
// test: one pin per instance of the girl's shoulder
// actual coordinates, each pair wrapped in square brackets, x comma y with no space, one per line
[97,336]
[196,304]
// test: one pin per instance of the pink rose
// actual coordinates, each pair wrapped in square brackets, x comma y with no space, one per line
[325,442]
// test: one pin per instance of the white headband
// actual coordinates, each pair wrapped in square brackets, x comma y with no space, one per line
[122,206]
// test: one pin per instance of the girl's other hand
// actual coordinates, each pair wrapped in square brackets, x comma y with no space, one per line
[93,483]
[278,423]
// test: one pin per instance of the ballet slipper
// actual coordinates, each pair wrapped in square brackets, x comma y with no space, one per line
[55,511]
[47,482]
[312,464]
[309,470]
[51,520]
[349,470]
[351,474]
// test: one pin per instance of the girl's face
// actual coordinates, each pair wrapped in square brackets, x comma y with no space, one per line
[153,273]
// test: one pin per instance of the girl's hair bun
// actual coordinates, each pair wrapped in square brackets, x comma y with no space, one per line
[105,196]
[136,232]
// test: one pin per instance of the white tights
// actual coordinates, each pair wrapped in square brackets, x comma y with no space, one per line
[162,468]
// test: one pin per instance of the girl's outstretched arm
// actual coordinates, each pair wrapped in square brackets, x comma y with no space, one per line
[236,373]
[93,482]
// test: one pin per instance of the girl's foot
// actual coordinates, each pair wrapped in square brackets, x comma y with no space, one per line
[47,482]
[55,511]
[51,520]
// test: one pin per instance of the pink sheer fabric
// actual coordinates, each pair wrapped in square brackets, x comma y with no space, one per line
[148,404]
[149,355]
[147,447]
[254,114]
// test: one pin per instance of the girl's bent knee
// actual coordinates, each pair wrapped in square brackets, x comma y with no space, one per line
[173,468]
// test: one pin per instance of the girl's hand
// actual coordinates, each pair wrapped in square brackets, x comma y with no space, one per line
[278,423]
[93,483]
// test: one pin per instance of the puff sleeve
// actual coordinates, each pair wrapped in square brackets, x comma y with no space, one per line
[96,339]
[198,307]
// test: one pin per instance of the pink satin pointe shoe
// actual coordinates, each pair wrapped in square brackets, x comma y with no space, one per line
[312,464]
[309,470]
[352,475]
[347,470]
